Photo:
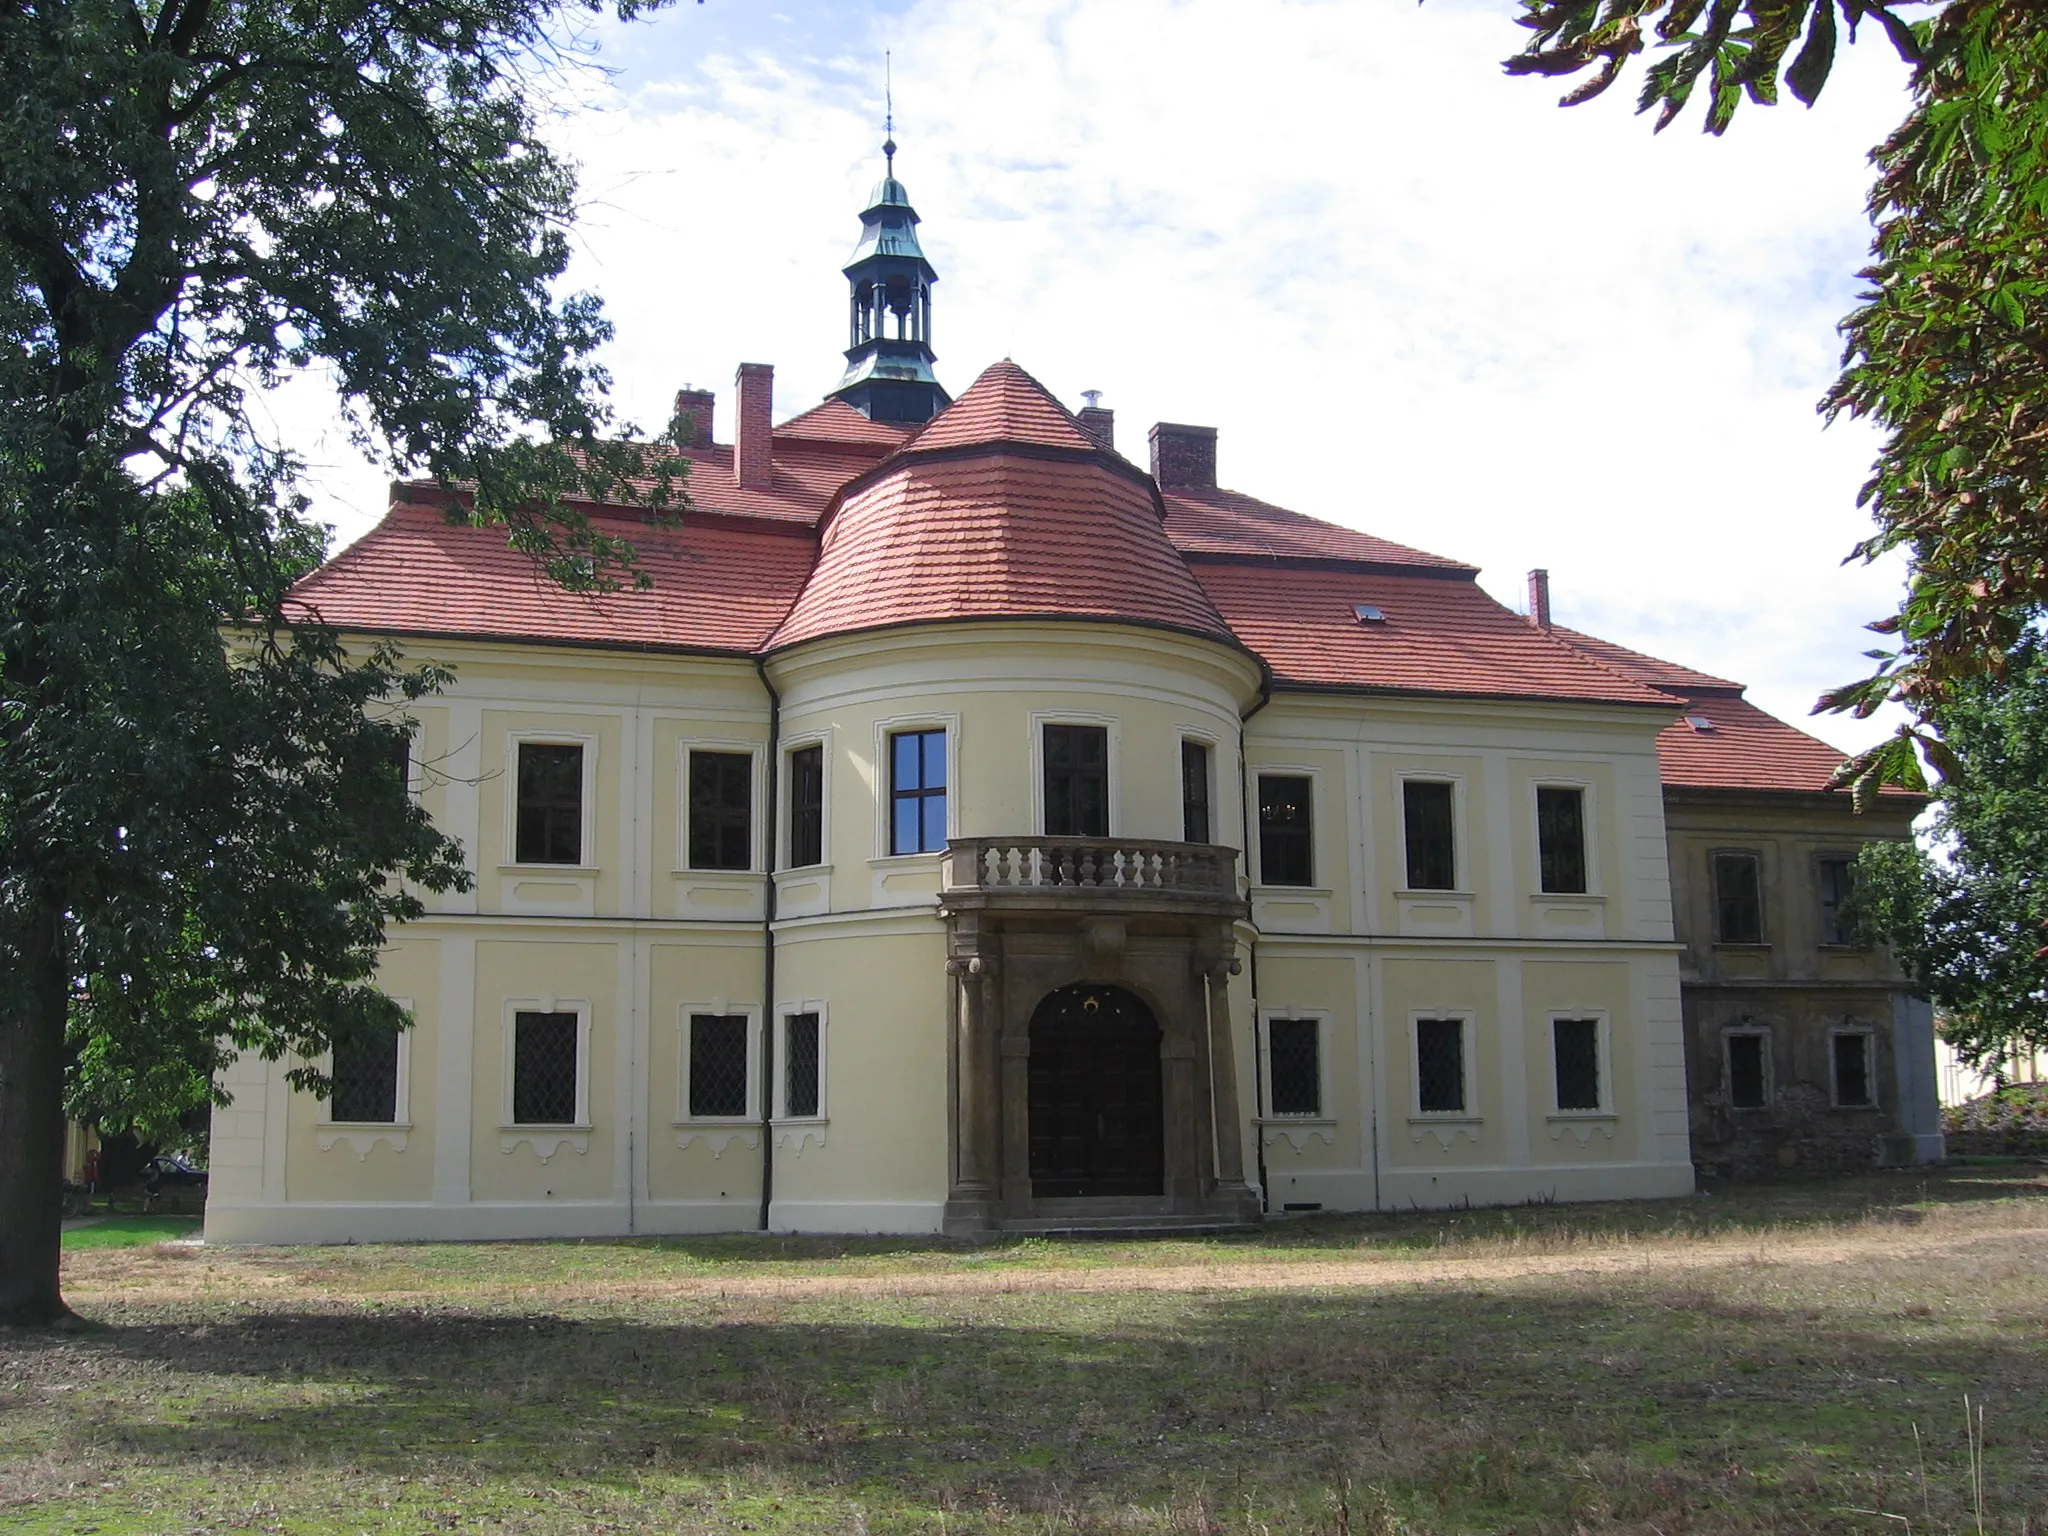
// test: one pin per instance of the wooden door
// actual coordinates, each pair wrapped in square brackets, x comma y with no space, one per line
[1096,1096]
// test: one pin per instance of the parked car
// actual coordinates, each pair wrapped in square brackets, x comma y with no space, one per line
[175,1170]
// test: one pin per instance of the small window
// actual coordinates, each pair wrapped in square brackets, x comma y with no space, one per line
[544,1069]
[917,791]
[550,815]
[721,810]
[1748,1073]
[1076,781]
[1294,1059]
[1426,809]
[1286,839]
[1738,899]
[1440,1066]
[807,806]
[1837,914]
[1194,792]
[1575,1049]
[1852,1070]
[718,1065]
[1561,839]
[365,1079]
[802,1083]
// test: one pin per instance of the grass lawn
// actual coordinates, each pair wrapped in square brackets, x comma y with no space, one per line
[130,1231]
[1769,1359]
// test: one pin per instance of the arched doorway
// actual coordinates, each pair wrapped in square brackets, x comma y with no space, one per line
[1096,1091]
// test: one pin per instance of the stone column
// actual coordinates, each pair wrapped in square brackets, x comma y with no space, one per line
[1223,1070]
[1014,1035]
[974,1132]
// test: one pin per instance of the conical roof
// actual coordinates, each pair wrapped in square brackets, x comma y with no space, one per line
[1001,508]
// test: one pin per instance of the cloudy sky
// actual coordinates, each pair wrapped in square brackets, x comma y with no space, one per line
[1412,294]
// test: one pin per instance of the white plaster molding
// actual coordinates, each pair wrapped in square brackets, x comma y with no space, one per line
[717,1137]
[800,1134]
[1297,1132]
[360,1139]
[1445,1128]
[1581,1126]
[546,1141]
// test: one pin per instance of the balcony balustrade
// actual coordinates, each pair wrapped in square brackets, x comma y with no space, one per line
[1100,868]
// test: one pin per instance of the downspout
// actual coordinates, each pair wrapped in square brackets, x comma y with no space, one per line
[774,829]
[1244,798]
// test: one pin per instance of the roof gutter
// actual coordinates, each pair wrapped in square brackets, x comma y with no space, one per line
[1244,797]
[774,831]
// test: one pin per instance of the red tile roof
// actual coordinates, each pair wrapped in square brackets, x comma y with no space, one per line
[838,423]
[1653,670]
[719,585]
[1218,522]
[1442,634]
[1004,405]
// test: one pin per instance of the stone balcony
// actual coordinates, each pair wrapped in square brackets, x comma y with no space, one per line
[1103,873]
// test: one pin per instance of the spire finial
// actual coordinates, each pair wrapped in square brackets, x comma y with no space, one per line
[889,110]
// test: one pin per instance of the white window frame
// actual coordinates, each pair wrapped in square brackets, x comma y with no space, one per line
[1113,728]
[1213,745]
[786,810]
[1753,1032]
[514,740]
[1468,1038]
[580,1006]
[757,776]
[1460,838]
[885,783]
[1318,801]
[1869,1038]
[1588,819]
[1603,1046]
[401,1099]
[1321,1018]
[783,1013]
[725,1008]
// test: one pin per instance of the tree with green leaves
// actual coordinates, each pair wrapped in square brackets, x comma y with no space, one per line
[1948,349]
[204,825]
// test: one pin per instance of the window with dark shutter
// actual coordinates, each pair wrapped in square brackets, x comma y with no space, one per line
[544,1069]
[1194,792]
[1286,833]
[1426,815]
[917,791]
[549,826]
[1561,839]
[1837,917]
[1575,1047]
[807,806]
[1852,1071]
[801,1090]
[1748,1087]
[1440,1066]
[365,1080]
[1076,781]
[1738,899]
[721,810]
[1294,1055]
[718,1064]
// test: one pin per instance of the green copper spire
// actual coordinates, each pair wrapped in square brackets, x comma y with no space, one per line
[889,359]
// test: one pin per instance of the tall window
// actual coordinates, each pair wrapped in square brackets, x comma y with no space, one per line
[365,1080]
[1076,781]
[1575,1052]
[1440,1066]
[1286,833]
[544,1069]
[1194,792]
[721,810]
[1853,1078]
[1561,838]
[1748,1074]
[917,791]
[718,1065]
[807,806]
[1738,899]
[802,1080]
[1295,1066]
[1426,815]
[550,810]
[1837,887]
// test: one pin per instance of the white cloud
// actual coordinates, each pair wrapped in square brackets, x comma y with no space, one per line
[1413,295]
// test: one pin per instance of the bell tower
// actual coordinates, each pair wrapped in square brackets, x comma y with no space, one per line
[889,354]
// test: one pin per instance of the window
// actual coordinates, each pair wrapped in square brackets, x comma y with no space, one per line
[1837,890]
[1561,839]
[1440,1066]
[1853,1084]
[807,806]
[721,810]
[1575,1052]
[1194,792]
[1748,1069]
[917,791]
[1738,899]
[365,1080]
[544,1050]
[1294,1084]
[1285,840]
[1426,809]
[802,1058]
[718,1065]
[550,819]
[1076,781]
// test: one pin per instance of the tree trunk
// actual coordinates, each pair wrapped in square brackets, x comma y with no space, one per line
[32,1130]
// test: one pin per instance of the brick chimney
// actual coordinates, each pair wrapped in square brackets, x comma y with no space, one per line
[1099,422]
[753,452]
[697,404]
[1183,456]
[1539,599]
